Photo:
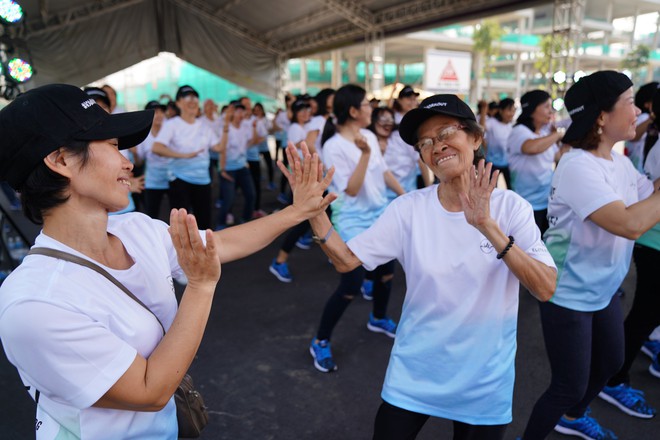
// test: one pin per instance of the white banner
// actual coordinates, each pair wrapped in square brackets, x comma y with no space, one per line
[447,71]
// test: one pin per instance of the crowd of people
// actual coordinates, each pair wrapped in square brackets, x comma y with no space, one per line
[372,185]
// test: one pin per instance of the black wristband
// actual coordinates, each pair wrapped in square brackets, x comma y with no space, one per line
[506,249]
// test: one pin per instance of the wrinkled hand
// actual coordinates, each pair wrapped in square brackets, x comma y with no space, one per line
[200,263]
[307,181]
[476,202]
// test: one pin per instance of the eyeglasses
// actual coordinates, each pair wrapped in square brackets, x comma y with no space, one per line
[386,121]
[444,134]
[190,97]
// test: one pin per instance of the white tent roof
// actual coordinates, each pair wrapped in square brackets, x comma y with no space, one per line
[79,41]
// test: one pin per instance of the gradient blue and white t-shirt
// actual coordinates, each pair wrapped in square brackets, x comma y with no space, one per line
[262,131]
[635,149]
[497,137]
[455,347]
[652,169]
[183,137]
[531,174]
[237,145]
[353,214]
[591,261]
[157,168]
[402,160]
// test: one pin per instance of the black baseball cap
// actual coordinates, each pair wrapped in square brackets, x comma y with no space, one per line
[450,105]
[407,91]
[153,105]
[237,104]
[587,98]
[185,91]
[530,100]
[44,119]
[98,94]
[299,104]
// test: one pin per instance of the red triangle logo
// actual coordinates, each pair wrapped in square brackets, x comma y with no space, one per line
[448,73]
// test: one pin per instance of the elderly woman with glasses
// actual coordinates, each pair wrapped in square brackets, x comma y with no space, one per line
[464,246]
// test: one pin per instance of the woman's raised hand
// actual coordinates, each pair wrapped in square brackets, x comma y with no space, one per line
[476,201]
[307,180]
[200,263]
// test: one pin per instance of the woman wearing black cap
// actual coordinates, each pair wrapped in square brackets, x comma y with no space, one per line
[464,247]
[635,146]
[532,150]
[598,205]
[186,140]
[98,363]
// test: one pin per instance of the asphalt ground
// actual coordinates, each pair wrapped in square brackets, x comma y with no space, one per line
[256,374]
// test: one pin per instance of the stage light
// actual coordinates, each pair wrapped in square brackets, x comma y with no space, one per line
[577,76]
[19,70]
[10,12]
[558,104]
[559,77]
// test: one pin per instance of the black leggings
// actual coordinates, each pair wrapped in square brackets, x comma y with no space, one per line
[194,198]
[585,349]
[255,172]
[644,315]
[349,287]
[394,423]
[293,235]
[269,165]
[153,198]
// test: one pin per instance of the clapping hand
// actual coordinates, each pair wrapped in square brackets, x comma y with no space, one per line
[307,181]
[200,263]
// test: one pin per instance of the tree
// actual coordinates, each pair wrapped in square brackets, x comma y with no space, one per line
[548,61]
[636,60]
[486,39]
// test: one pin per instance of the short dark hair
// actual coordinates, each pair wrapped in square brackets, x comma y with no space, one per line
[591,138]
[44,189]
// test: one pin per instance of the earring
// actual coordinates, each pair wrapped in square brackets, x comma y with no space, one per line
[600,130]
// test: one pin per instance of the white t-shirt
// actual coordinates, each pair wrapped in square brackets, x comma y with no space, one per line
[455,345]
[316,123]
[282,120]
[157,168]
[72,334]
[635,149]
[353,214]
[652,169]
[182,137]
[296,133]
[591,261]
[531,174]
[497,135]
[215,125]
[401,160]
[237,146]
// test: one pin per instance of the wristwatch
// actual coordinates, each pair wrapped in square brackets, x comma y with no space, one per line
[320,240]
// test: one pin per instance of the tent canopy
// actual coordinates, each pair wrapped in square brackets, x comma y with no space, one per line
[243,41]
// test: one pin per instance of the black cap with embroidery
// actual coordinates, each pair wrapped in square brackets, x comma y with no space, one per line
[153,105]
[587,98]
[185,91]
[407,91]
[98,94]
[44,119]
[450,105]
[530,100]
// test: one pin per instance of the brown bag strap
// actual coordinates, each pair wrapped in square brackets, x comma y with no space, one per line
[54,253]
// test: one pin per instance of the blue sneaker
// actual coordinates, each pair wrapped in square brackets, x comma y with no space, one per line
[320,351]
[304,242]
[651,348]
[585,427]
[385,325]
[367,290]
[628,400]
[654,368]
[281,271]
